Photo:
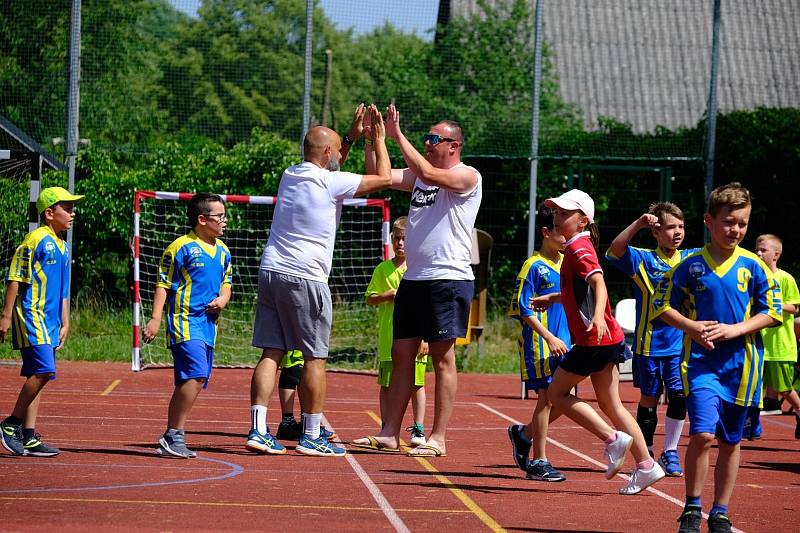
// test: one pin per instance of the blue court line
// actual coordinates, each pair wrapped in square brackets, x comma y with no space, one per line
[235,471]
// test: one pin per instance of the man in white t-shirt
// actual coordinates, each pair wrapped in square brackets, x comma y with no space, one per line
[294,310]
[433,300]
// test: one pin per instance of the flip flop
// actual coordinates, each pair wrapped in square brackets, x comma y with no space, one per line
[373,444]
[426,450]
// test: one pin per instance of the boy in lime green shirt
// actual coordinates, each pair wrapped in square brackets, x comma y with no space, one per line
[380,292]
[780,343]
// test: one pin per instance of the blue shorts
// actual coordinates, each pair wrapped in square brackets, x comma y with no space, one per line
[39,359]
[436,310]
[708,413]
[650,372]
[193,360]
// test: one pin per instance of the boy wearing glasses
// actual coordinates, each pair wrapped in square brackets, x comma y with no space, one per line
[37,312]
[194,280]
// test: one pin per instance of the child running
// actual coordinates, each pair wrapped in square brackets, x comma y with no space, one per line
[780,344]
[380,292]
[194,280]
[598,344]
[37,311]
[728,295]
[542,343]
[657,346]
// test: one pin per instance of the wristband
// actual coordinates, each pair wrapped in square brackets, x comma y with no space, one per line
[347,140]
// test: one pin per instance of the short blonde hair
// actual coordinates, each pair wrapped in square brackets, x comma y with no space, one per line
[733,196]
[777,243]
[400,223]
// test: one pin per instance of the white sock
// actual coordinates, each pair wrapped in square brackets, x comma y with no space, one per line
[311,423]
[672,433]
[258,418]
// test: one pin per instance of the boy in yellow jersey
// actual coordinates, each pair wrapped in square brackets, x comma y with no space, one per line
[780,344]
[37,310]
[380,292]
[194,280]
[657,346]
[721,298]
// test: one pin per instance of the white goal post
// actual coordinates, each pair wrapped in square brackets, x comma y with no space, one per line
[362,241]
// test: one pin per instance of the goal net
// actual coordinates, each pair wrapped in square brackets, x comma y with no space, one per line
[14,202]
[362,241]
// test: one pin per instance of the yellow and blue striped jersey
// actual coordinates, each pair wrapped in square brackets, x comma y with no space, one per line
[731,292]
[647,268]
[193,272]
[41,265]
[538,276]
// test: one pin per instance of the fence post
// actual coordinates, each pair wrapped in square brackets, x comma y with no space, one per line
[537,85]
[711,108]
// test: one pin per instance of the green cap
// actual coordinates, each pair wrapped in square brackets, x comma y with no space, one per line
[52,195]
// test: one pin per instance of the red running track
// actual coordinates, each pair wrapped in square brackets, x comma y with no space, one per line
[108,476]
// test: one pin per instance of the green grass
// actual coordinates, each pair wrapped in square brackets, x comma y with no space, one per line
[101,334]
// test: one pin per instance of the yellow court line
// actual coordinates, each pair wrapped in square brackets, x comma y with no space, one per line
[111,387]
[468,502]
[225,504]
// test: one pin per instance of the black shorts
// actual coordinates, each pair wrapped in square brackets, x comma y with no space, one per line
[435,310]
[586,360]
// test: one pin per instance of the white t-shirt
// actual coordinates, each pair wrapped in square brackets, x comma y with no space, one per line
[439,234]
[304,224]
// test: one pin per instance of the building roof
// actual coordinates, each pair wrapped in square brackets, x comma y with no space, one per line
[14,139]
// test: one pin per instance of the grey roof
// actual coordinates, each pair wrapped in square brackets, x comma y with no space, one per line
[14,139]
[647,62]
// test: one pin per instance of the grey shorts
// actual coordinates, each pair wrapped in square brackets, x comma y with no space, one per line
[293,314]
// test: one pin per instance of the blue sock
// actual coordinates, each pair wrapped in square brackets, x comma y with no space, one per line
[693,501]
[717,508]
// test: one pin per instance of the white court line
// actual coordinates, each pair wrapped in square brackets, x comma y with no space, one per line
[585,457]
[373,489]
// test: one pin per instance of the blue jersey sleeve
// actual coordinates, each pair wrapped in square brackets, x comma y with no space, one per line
[766,293]
[670,292]
[629,263]
[530,287]
[169,270]
[65,268]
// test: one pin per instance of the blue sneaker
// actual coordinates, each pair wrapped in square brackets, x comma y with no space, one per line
[264,443]
[671,463]
[520,446]
[542,470]
[320,446]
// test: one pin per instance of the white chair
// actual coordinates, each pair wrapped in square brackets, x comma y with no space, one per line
[625,313]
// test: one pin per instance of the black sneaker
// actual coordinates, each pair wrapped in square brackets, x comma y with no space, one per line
[719,523]
[520,446]
[689,521]
[543,471]
[289,430]
[12,438]
[35,447]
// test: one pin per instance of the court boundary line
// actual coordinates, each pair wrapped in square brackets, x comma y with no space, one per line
[585,457]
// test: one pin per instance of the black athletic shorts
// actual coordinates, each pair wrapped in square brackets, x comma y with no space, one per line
[586,360]
[435,310]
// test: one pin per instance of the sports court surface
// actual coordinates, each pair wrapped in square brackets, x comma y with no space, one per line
[107,419]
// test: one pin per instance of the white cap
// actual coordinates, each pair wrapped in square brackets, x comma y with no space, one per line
[572,200]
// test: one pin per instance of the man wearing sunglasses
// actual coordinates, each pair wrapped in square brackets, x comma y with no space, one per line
[294,309]
[433,299]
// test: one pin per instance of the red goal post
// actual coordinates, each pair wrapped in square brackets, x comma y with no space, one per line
[362,241]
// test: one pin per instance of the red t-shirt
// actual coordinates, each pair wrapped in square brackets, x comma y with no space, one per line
[580,262]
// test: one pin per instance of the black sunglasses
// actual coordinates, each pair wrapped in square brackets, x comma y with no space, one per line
[435,139]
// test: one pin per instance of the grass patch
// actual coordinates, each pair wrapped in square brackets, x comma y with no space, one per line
[102,334]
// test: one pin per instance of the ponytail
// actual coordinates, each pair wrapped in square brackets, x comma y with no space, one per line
[594,235]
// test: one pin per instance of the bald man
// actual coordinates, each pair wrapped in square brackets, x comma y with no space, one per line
[433,300]
[294,309]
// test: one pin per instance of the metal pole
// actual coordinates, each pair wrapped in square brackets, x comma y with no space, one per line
[73,108]
[307,77]
[711,119]
[537,85]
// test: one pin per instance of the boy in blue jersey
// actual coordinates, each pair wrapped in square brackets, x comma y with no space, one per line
[657,346]
[194,280]
[544,340]
[37,311]
[721,297]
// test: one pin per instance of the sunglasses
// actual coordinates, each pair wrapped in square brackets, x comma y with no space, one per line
[435,139]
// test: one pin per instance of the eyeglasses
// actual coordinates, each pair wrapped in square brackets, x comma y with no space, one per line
[221,217]
[435,139]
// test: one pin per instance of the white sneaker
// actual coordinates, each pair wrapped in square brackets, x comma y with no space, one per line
[641,479]
[616,452]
